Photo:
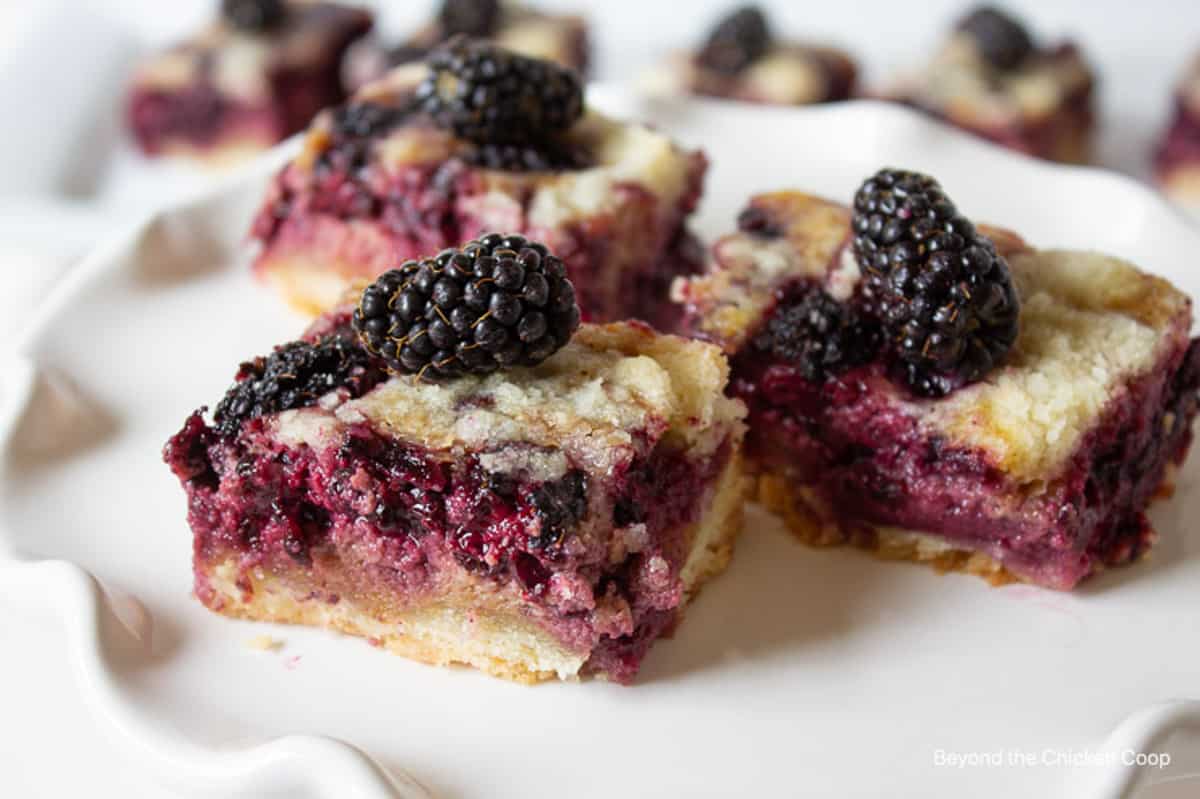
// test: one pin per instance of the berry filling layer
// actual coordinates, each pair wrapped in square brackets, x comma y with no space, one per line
[368,516]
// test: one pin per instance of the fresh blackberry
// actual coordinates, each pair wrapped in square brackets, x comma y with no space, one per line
[295,375]
[818,334]
[944,296]
[254,16]
[352,129]
[559,506]
[499,301]
[1002,40]
[737,41]
[527,157]
[469,17]
[492,96]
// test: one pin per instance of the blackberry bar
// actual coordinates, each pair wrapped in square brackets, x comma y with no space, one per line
[743,59]
[993,79]
[947,393]
[257,75]
[528,31]
[515,491]
[1177,157]
[477,139]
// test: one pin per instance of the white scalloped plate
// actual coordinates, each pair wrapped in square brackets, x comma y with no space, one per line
[822,672]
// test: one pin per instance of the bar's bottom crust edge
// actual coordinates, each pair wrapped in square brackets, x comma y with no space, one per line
[801,510]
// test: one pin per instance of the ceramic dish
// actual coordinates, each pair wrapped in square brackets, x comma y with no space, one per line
[799,671]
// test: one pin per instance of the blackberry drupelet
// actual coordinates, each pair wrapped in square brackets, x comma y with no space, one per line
[944,296]
[1002,40]
[497,302]
[559,506]
[254,16]
[738,40]
[818,334]
[543,157]
[295,375]
[492,96]
[469,17]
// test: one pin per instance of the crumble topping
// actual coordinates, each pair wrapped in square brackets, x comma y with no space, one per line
[622,153]
[598,397]
[625,153]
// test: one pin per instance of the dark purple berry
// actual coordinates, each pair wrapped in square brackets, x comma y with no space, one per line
[497,301]
[944,296]
[818,334]
[296,375]
[1002,40]
[738,40]
[490,95]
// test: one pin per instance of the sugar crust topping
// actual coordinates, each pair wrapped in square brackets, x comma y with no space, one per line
[612,389]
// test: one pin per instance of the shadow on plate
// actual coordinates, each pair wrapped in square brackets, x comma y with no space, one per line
[186,245]
[59,422]
[777,595]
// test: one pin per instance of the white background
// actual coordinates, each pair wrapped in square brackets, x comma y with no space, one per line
[48,745]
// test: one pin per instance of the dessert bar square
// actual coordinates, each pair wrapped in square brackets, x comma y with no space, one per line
[383,178]
[540,522]
[993,79]
[743,59]
[1038,468]
[249,80]
[1177,157]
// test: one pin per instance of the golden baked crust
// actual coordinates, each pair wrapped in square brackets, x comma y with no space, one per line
[473,623]
[593,398]
[1181,183]
[1089,324]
